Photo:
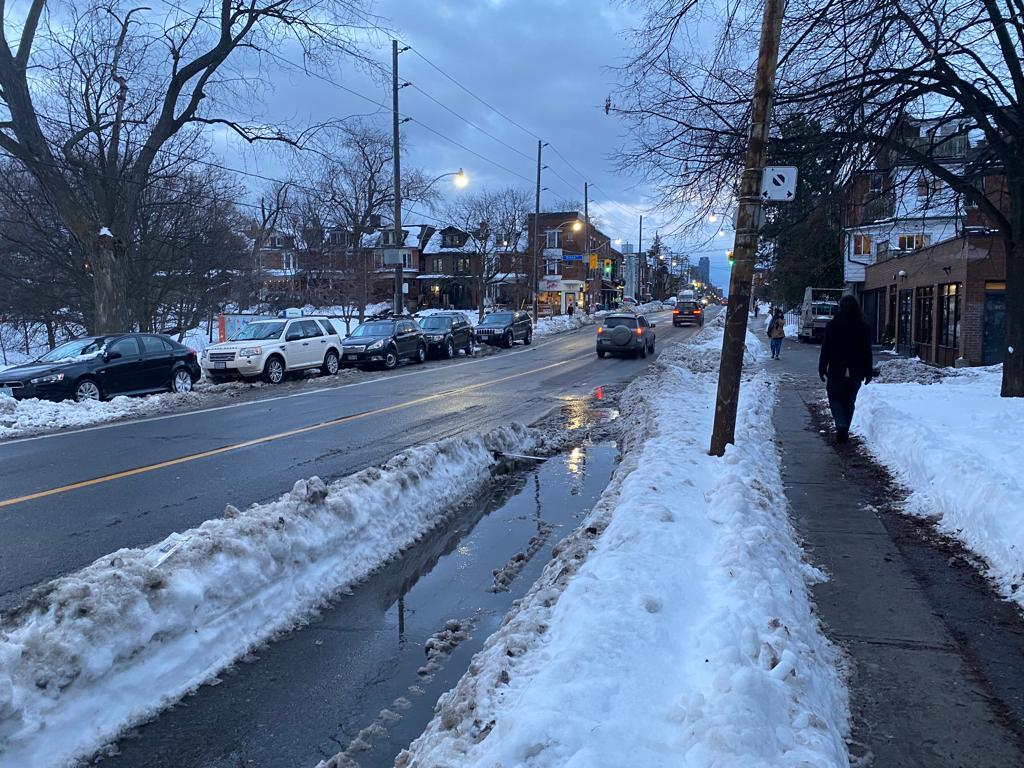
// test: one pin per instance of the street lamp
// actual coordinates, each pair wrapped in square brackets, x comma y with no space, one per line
[460,180]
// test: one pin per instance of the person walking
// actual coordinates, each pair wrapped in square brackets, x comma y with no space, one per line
[845,362]
[757,308]
[776,333]
[571,308]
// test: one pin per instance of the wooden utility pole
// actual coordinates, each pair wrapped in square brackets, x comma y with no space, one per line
[399,303]
[536,240]
[639,260]
[594,292]
[748,218]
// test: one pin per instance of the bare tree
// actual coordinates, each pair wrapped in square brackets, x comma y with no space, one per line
[864,68]
[122,83]
[495,222]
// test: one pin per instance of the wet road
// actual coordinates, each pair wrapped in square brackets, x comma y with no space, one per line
[69,498]
[353,672]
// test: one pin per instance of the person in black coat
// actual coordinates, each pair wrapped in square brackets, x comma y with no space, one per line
[845,362]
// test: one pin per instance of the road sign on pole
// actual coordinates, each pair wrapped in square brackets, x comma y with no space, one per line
[395,257]
[778,182]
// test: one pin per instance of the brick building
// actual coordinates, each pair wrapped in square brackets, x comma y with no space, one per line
[944,303]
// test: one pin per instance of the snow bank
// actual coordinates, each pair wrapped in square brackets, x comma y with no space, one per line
[674,626]
[101,649]
[955,445]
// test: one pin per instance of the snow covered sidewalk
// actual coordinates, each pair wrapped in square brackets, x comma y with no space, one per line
[955,444]
[673,627]
[96,651]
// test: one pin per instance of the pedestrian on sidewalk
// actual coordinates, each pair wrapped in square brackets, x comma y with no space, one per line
[845,362]
[571,308]
[776,333]
[757,308]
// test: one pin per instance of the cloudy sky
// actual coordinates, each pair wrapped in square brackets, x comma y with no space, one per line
[544,69]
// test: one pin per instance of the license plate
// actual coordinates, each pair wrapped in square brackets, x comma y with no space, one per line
[6,392]
[220,365]
[351,357]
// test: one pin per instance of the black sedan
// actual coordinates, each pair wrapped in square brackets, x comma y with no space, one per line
[447,333]
[505,328]
[98,367]
[385,343]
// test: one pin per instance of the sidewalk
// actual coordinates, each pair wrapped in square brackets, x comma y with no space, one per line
[933,655]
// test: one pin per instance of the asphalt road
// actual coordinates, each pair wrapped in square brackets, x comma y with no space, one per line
[72,497]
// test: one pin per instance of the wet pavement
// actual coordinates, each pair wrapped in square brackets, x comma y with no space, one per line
[353,678]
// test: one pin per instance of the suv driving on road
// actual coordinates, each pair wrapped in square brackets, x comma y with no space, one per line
[385,343]
[274,348]
[447,333]
[687,313]
[505,328]
[626,334]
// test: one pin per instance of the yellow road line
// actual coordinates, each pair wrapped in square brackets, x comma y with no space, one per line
[270,438]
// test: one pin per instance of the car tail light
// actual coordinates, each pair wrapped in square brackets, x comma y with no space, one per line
[639,331]
[675,311]
[696,311]
[600,329]
[192,352]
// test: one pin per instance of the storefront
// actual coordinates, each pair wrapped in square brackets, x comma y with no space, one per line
[558,294]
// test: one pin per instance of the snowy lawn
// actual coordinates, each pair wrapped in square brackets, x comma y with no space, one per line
[674,626]
[97,651]
[955,444]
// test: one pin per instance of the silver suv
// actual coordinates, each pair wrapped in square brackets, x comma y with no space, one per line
[625,333]
[273,348]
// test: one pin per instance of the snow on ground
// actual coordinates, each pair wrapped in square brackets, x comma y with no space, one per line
[955,444]
[97,651]
[674,626]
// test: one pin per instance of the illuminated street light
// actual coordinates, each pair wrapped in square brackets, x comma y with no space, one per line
[461,180]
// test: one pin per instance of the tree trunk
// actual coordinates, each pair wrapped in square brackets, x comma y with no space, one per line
[1013,356]
[105,305]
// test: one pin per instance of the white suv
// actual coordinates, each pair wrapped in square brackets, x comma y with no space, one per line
[272,348]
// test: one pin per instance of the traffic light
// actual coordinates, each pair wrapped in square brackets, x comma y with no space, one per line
[607,267]
[728,255]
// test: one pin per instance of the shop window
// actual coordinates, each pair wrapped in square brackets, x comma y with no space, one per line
[925,301]
[949,315]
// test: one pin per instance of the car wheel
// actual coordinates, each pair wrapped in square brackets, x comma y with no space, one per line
[651,350]
[421,354]
[273,370]
[510,339]
[449,349]
[87,389]
[331,363]
[643,351]
[601,353]
[470,348]
[529,338]
[181,381]
[391,358]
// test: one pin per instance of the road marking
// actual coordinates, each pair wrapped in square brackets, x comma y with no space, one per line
[277,436]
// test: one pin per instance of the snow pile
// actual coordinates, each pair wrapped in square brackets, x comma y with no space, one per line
[547,326]
[103,648]
[901,370]
[956,445]
[674,626]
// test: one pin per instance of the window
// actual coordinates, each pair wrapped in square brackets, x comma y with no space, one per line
[875,182]
[923,188]
[949,315]
[923,315]
[288,262]
[126,347]
[570,236]
[862,245]
[452,240]
[551,266]
[437,265]
[912,242]
[388,239]
[554,238]
[462,265]
[310,329]
[154,344]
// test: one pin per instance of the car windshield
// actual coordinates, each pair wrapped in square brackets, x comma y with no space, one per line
[615,322]
[375,329]
[436,323]
[76,348]
[498,318]
[686,305]
[259,331]
[825,309]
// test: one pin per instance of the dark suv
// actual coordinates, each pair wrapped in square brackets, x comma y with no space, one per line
[687,313]
[505,328]
[625,333]
[447,333]
[385,343]
[98,367]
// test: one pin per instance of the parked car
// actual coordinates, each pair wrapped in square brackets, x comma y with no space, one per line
[385,343]
[447,333]
[98,367]
[687,313]
[625,334]
[272,349]
[505,328]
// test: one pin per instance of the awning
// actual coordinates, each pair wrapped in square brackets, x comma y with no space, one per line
[434,277]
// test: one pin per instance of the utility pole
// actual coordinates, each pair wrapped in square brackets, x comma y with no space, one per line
[639,259]
[396,151]
[748,218]
[586,243]
[536,240]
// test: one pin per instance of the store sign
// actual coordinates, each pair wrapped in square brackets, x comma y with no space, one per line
[551,284]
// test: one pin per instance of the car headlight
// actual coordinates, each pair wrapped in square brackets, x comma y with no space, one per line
[376,345]
[52,378]
[250,351]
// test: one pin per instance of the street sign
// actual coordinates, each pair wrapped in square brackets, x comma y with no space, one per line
[572,257]
[395,257]
[778,182]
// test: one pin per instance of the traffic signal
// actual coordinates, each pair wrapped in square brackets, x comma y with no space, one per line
[728,255]
[607,267]
[593,261]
